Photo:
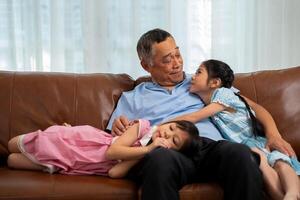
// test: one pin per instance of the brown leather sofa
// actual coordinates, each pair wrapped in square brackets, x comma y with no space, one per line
[35,100]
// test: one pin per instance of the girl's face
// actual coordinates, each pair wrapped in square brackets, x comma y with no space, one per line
[199,81]
[170,131]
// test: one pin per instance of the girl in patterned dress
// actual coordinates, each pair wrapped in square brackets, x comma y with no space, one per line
[79,150]
[237,122]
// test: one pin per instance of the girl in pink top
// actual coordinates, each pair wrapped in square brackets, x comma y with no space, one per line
[80,150]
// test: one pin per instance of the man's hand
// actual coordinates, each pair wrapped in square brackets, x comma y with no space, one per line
[120,125]
[277,143]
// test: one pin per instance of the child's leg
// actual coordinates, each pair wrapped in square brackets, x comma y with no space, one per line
[270,176]
[19,161]
[13,145]
[289,180]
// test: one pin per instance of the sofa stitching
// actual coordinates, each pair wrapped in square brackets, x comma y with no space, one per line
[75,99]
[11,104]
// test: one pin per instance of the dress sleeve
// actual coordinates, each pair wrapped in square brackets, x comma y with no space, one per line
[144,127]
[225,97]
[145,132]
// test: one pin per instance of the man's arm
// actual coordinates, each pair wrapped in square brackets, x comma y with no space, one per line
[274,139]
[118,123]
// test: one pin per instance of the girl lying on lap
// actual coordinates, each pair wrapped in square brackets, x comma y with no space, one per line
[80,150]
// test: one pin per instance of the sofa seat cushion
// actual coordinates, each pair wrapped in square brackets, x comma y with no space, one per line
[17,184]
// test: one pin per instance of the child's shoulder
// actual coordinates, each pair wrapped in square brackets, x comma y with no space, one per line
[224,95]
[141,123]
[224,92]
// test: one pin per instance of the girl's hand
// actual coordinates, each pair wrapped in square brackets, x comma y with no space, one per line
[159,142]
[278,143]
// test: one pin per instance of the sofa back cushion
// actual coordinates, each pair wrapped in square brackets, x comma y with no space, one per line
[35,100]
[279,92]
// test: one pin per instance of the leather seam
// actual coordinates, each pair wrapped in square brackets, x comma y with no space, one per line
[11,104]
[75,99]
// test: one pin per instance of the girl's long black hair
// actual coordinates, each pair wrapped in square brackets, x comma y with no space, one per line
[257,127]
[219,69]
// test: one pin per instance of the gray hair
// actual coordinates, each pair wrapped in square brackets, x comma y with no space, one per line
[146,41]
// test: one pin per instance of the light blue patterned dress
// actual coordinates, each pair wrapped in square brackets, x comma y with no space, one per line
[236,126]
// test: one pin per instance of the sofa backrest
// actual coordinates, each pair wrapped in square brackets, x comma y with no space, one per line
[279,92]
[35,100]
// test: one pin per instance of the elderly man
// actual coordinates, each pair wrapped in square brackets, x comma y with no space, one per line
[163,172]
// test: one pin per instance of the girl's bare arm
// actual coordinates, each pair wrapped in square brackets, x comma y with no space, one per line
[121,149]
[203,113]
[121,169]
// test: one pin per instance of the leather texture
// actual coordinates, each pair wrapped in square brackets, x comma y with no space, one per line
[36,100]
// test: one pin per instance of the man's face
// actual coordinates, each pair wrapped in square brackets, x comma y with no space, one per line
[167,63]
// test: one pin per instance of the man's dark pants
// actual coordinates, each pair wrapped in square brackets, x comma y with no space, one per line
[163,172]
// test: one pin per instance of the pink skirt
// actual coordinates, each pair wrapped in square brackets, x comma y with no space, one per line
[73,150]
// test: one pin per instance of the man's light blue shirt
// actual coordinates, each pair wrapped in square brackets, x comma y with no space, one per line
[152,102]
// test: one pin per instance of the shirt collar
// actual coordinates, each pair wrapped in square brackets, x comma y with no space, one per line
[156,84]
[147,137]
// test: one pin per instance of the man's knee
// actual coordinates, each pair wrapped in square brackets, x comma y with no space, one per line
[237,151]
[169,164]
[239,161]
[160,160]
[155,166]
[158,153]
[158,168]
[239,157]
[246,155]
